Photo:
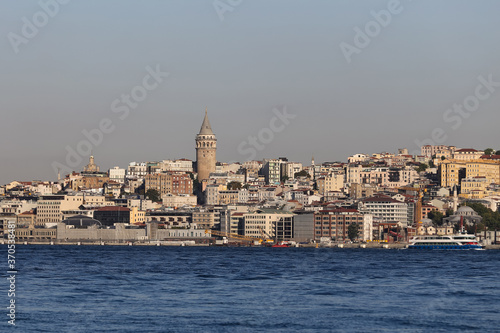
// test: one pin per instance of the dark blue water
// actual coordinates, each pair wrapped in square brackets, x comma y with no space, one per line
[173,289]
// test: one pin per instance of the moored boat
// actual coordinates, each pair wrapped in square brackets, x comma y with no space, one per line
[445,242]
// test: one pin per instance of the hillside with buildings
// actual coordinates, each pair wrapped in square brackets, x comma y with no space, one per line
[387,197]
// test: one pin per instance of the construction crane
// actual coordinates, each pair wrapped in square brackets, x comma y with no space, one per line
[233,236]
[265,235]
[420,194]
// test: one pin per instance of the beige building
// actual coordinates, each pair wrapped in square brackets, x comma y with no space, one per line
[333,182]
[170,200]
[268,220]
[91,167]
[137,216]
[88,181]
[431,150]
[466,154]
[50,207]
[206,147]
[205,219]
[451,171]
[475,187]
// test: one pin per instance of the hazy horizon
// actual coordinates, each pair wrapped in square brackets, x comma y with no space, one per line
[244,61]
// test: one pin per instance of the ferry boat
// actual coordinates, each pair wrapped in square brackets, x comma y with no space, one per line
[445,242]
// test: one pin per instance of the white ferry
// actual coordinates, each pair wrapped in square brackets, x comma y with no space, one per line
[445,242]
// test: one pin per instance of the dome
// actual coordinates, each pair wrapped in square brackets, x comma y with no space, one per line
[465,211]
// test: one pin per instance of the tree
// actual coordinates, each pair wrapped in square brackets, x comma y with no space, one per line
[153,195]
[302,173]
[422,167]
[436,217]
[234,185]
[489,151]
[491,219]
[431,164]
[443,158]
[497,152]
[353,231]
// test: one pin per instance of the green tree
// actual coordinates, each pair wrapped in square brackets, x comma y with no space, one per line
[352,231]
[491,219]
[443,158]
[302,173]
[497,152]
[489,151]
[431,164]
[436,217]
[234,185]
[422,167]
[153,195]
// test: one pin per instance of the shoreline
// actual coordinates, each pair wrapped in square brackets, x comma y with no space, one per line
[192,243]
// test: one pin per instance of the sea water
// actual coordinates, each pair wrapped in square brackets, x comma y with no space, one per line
[215,289]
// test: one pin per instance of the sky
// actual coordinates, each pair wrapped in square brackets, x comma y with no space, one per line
[306,78]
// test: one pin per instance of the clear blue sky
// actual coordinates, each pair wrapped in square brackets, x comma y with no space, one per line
[262,54]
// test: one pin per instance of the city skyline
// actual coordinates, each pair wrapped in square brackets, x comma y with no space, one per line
[243,65]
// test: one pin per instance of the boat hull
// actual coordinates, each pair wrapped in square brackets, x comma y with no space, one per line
[445,247]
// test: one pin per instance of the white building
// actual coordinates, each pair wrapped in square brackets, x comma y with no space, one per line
[385,209]
[170,200]
[138,170]
[182,165]
[117,174]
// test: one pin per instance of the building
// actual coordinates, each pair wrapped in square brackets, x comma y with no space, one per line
[333,182]
[334,224]
[170,200]
[206,219]
[385,209]
[467,154]
[138,170]
[278,224]
[50,207]
[453,171]
[87,181]
[91,167]
[137,216]
[303,226]
[272,171]
[289,169]
[169,183]
[431,150]
[108,216]
[206,147]
[474,187]
[117,174]
[181,165]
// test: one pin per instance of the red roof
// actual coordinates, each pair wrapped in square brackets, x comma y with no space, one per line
[466,150]
[491,157]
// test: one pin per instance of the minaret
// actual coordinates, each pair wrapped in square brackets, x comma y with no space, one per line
[455,199]
[313,167]
[206,147]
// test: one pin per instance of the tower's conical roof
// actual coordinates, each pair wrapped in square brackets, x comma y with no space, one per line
[206,129]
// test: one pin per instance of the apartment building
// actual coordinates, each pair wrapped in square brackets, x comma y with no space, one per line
[49,208]
[385,208]
[334,224]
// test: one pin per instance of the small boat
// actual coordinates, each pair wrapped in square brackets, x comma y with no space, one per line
[445,242]
[280,244]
